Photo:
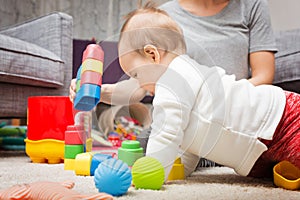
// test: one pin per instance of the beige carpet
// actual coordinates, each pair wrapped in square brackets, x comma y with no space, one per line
[209,183]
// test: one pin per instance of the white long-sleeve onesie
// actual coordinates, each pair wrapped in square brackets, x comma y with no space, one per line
[202,112]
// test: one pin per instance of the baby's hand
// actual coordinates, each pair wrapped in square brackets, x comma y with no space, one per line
[72,90]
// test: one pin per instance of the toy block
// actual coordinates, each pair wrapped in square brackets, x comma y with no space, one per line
[75,135]
[92,65]
[177,171]
[78,84]
[130,151]
[96,160]
[88,145]
[91,77]
[93,51]
[69,164]
[78,75]
[78,78]
[83,163]
[87,97]
[72,150]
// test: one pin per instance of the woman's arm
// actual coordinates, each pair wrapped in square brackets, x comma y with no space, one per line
[262,65]
[262,44]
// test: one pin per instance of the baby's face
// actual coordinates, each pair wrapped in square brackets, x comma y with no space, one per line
[141,68]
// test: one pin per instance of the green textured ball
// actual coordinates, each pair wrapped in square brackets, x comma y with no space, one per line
[148,173]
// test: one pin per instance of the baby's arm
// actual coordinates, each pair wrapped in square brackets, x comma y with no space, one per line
[166,135]
[190,162]
[121,93]
[170,118]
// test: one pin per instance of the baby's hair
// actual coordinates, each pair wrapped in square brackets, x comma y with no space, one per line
[151,25]
[150,8]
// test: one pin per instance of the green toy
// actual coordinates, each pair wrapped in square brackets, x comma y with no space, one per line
[9,130]
[148,173]
[12,137]
[130,151]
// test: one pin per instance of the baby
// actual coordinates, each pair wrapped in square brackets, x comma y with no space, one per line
[202,112]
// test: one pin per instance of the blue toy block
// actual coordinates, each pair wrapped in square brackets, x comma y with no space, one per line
[87,97]
[96,160]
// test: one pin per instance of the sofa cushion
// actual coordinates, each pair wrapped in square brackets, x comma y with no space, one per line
[25,63]
[287,60]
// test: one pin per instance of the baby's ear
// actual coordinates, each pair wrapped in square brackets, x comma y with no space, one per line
[152,53]
[16,192]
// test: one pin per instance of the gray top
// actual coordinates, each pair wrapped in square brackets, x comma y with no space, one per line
[226,39]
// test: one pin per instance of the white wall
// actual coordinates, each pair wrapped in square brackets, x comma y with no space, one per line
[285,14]
[102,18]
[99,19]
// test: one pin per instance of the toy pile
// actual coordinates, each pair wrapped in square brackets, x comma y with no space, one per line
[12,137]
[125,128]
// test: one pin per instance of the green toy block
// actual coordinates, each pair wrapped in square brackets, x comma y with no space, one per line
[130,151]
[72,150]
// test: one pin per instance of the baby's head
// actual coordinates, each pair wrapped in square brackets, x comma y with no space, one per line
[149,41]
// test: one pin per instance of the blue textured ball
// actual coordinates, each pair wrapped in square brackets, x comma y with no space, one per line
[96,160]
[113,176]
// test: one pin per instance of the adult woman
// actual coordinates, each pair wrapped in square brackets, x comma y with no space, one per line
[233,34]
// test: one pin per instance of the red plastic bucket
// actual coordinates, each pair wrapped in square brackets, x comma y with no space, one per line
[48,117]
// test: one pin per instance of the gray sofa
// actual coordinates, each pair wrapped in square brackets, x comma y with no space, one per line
[287,60]
[35,60]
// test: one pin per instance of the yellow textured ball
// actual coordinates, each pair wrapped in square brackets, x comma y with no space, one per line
[148,173]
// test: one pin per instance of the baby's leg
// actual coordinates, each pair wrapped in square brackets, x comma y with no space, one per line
[286,140]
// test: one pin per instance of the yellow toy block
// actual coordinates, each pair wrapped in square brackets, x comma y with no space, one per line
[69,164]
[83,163]
[92,65]
[89,145]
[177,171]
